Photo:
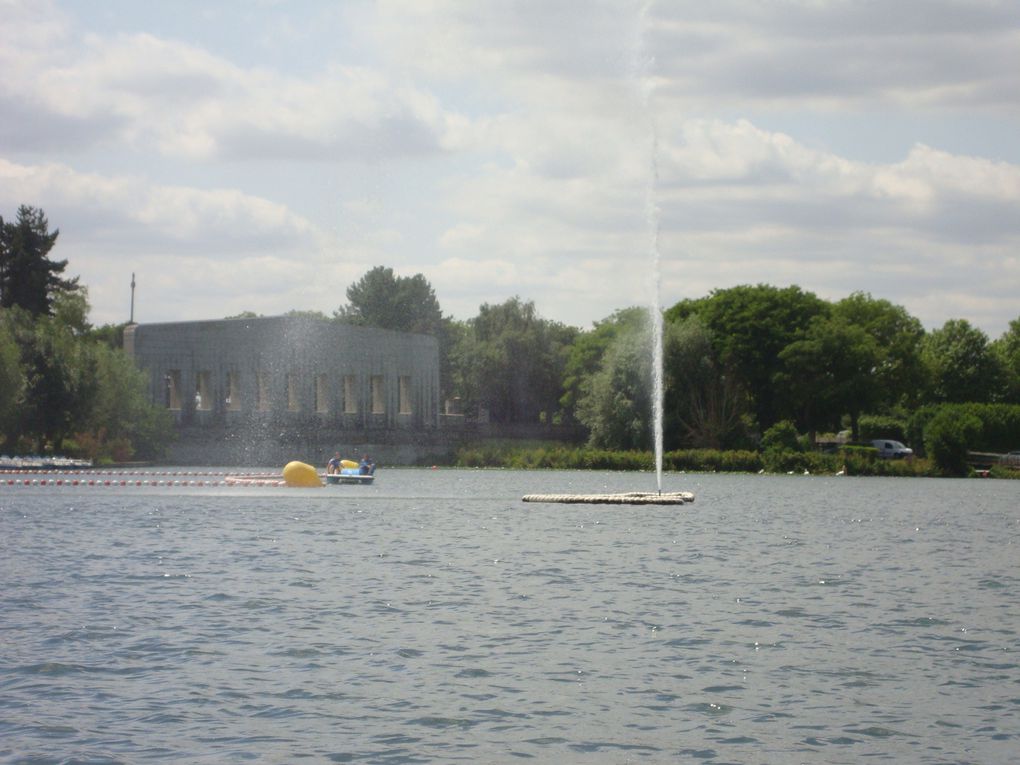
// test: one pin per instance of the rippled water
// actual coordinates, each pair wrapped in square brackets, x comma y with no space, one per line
[434,617]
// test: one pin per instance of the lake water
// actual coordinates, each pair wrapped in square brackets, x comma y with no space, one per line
[434,617]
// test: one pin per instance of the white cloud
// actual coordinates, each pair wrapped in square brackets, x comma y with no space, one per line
[147,93]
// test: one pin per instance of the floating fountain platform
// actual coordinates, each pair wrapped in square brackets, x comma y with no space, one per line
[629,498]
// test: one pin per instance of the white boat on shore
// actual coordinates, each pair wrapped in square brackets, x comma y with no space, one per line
[43,463]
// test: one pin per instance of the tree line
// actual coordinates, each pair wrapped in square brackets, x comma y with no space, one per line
[738,363]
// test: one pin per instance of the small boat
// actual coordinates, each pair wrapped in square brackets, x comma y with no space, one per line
[351,472]
[349,475]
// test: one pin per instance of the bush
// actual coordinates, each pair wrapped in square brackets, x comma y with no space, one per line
[712,461]
[947,439]
[999,429]
[874,426]
[782,437]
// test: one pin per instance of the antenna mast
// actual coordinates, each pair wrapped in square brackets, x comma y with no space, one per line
[132,319]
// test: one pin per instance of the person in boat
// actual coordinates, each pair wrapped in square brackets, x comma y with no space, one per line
[333,466]
[366,466]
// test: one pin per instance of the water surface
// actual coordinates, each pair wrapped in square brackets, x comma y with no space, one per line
[434,617]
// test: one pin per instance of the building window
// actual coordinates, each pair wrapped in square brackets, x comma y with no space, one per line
[350,394]
[404,383]
[293,404]
[378,400]
[321,394]
[262,391]
[203,392]
[233,391]
[172,380]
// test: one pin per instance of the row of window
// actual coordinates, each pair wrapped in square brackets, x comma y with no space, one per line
[349,402]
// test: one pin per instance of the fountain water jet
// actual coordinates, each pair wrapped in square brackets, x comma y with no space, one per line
[641,76]
[645,88]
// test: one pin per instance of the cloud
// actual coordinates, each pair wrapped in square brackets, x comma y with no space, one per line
[739,204]
[176,218]
[840,54]
[143,93]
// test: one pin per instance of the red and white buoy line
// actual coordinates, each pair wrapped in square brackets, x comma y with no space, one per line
[135,478]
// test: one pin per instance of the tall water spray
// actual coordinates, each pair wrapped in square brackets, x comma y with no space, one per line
[652,215]
[643,78]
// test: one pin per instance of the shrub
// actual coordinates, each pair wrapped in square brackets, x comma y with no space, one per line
[874,426]
[712,460]
[782,436]
[948,437]
[999,429]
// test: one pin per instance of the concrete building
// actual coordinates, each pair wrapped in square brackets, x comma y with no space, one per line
[261,390]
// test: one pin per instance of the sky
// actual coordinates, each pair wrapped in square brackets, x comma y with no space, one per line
[261,155]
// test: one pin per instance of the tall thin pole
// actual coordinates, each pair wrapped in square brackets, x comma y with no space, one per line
[132,319]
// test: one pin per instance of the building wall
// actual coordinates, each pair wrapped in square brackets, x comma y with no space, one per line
[304,362]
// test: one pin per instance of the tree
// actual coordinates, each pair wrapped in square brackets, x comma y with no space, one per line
[60,381]
[960,365]
[585,354]
[510,362]
[28,278]
[403,303]
[830,372]
[750,326]
[616,406]
[899,372]
[704,405]
[12,379]
[1007,351]
[947,439]
[122,418]
[300,314]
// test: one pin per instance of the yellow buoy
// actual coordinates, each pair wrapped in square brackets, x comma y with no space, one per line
[348,463]
[300,474]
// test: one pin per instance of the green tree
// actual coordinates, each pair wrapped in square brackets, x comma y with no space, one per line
[899,373]
[1007,352]
[704,406]
[511,361]
[12,379]
[28,278]
[616,405]
[585,354]
[60,376]
[750,326]
[383,299]
[122,418]
[960,364]
[948,438]
[300,314]
[829,372]
[781,437]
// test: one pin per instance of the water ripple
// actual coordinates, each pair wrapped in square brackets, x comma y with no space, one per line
[438,620]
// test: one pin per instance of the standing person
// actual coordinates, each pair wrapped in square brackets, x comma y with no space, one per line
[333,466]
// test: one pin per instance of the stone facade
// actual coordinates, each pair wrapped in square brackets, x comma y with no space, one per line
[254,391]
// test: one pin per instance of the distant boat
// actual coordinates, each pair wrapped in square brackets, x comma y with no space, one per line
[351,472]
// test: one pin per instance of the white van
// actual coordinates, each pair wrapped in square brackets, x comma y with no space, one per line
[891,449]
